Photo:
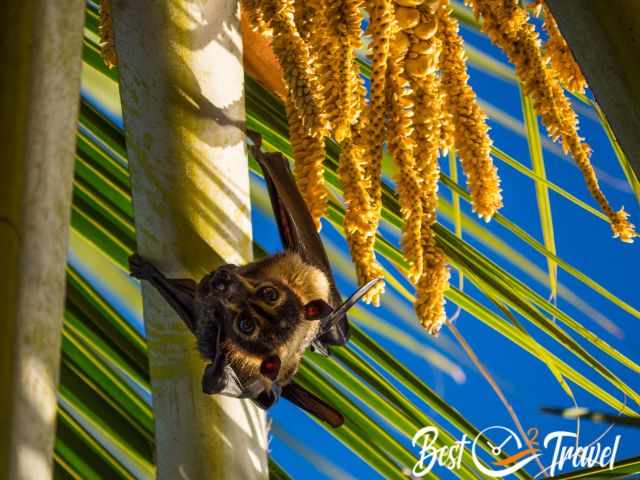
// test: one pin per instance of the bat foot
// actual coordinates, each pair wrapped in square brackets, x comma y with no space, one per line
[141,269]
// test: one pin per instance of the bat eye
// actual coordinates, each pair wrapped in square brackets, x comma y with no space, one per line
[246,324]
[268,294]
[221,280]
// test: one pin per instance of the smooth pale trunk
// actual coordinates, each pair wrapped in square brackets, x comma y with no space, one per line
[182,91]
[40,62]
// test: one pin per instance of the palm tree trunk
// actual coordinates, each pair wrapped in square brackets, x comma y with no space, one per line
[182,90]
[40,52]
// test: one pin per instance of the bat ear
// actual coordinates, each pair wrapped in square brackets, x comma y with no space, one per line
[341,311]
[270,367]
[317,309]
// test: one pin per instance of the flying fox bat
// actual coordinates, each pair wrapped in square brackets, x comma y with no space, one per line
[254,322]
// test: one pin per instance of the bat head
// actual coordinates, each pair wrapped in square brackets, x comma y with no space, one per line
[262,313]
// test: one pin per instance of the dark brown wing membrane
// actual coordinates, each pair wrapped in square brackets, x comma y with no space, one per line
[317,407]
[178,293]
[296,227]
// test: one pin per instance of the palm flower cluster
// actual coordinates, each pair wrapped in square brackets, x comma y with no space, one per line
[558,53]
[507,25]
[419,104]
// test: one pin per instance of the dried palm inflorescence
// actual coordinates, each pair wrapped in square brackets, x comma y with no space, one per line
[420,104]
[410,108]
[507,25]
[558,53]
[471,133]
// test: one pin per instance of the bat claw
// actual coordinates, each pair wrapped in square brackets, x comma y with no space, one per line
[139,268]
[255,138]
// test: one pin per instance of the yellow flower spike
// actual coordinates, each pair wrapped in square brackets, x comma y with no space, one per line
[303,87]
[401,147]
[429,305]
[445,122]
[353,102]
[343,25]
[471,134]
[422,66]
[381,13]
[428,29]
[425,48]
[107,43]
[560,56]
[356,195]
[326,51]
[622,228]
[407,17]
[359,220]
[400,43]
[309,153]
[426,135]
[305,12]
[507,25]
[367,268]
[304,106]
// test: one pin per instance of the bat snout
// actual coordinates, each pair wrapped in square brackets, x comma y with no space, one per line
[236,293]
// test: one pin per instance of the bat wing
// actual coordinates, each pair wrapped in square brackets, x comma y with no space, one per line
[317,407]
[298,232]
[178,293]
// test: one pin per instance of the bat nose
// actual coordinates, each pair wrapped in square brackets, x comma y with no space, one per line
[236,293]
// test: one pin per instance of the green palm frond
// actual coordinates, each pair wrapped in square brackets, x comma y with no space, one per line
[542,193]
